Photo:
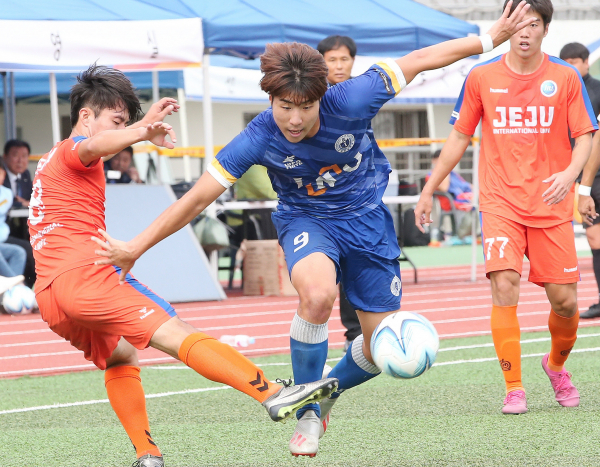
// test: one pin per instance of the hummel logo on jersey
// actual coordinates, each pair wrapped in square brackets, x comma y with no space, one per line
[504,91]
[145,313]
[290,162]
[571,269]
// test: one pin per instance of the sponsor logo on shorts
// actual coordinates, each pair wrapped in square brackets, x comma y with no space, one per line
[396,286]
[564,353]
[145,313]
[503,91]
[344,143]
[505,365]
[548,88]
[571,269]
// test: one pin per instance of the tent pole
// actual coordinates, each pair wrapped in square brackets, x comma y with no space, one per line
[185,140]
[475,212]
[13,107]
[5,106]
[54,109]
[211,210]
[155,86]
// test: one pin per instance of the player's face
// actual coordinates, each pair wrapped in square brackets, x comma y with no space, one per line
[121,162]
[16,160]
[528,41]
[339,61]
[296,122]
[107,119]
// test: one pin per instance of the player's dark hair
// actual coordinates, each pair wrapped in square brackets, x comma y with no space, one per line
[16,143]
[543,8]
[574,50]
[101,87]
[295,71]
[335,42]
[436,154]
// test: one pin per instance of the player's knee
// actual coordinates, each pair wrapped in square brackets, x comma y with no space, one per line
[316,303]
[565,305]
[505,291]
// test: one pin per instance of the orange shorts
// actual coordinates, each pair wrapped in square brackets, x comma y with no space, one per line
[88,307]
[551,250]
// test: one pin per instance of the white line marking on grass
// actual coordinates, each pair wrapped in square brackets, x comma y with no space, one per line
[192,391]
[105,401]
[492,359]
[526,341]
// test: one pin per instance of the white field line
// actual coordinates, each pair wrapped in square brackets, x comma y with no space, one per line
[192,391]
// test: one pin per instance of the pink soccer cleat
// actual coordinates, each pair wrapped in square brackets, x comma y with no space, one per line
[515,403]
[565,393]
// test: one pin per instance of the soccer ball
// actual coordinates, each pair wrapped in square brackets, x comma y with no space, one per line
[404,345]
[19,300]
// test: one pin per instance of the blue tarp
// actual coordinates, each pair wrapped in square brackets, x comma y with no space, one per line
[380,27]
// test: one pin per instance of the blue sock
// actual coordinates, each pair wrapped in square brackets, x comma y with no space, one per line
[354,368]
[309,345]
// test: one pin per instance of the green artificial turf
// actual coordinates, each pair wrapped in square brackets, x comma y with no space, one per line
[450,416]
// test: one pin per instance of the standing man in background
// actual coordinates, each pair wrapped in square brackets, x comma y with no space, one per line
[577,54]
[339,53]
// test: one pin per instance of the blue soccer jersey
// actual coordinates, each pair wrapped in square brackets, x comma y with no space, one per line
[337,173]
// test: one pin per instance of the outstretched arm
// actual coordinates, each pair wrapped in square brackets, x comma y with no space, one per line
[446,53]
[451,153]
[176,216]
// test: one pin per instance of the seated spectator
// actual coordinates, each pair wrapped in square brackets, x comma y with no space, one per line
[462,195]
[120,168]
[18,179]
[12,257]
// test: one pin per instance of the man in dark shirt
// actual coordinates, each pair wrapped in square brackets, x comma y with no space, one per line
[577,54]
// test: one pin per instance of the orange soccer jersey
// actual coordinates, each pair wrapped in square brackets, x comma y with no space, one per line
[65,210]
[525,123]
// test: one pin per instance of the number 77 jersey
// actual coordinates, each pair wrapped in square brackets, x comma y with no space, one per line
[339,172]
[525,124]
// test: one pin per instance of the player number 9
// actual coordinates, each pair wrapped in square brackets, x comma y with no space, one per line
[301,240]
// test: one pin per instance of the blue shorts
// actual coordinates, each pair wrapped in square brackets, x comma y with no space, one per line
[364,249]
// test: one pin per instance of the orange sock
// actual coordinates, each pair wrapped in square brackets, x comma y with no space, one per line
[222,363]
[126,396]
[506,334]
[563,332]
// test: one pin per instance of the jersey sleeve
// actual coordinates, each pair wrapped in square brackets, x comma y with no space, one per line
[70,154]
[469,108]
[245,150]
[580,113]
[363,96]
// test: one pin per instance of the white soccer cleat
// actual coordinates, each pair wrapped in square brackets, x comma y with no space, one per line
[305,441]
[326,405]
